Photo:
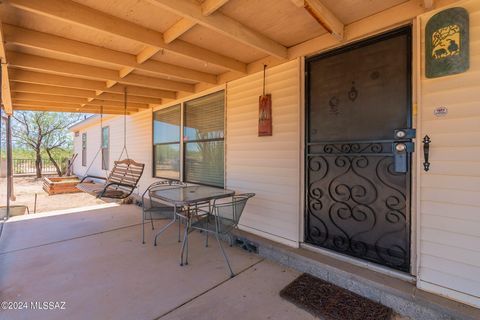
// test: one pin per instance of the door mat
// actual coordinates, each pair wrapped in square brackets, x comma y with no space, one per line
[330,302]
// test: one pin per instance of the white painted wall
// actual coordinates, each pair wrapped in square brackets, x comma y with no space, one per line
[449,208]
[139,145]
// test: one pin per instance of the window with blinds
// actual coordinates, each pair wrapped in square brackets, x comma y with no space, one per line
[105,147]
[84,149]
[166,140]
[203,136]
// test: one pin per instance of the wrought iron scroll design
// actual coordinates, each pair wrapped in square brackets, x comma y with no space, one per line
[357,204]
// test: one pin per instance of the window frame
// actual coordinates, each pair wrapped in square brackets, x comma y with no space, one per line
[183,144]
[179,143]
[105,164]
[84,149]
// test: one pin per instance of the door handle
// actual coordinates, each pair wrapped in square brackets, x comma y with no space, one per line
[401,148]
[426,151]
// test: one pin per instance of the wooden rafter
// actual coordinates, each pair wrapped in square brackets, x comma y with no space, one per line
[323,16]
[224,25]
[75,100]
[179,28]
[25,76]
[66,108]
[6,96]
[82,93]
[185,24]
[32,62]
[53,104]
[210,6]
[79,14]
[53,43]
[428,4]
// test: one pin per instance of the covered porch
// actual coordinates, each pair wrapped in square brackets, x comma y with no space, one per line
[93,260]
[354,123]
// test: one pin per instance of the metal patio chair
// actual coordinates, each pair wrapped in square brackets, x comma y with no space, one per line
[155,210]
[223,220]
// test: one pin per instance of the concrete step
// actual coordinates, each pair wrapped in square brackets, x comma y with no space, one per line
[400,295]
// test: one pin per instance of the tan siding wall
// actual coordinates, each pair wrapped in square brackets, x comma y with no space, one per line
[268,166]
[449,220]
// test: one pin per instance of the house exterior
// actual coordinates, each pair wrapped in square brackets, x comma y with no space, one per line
[373,157]
[444,207]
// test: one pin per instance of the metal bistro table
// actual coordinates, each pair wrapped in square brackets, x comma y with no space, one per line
[187,197]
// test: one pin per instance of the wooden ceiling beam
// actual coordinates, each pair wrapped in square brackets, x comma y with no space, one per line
[326,18]
[75,100]
[185,24]
[210,6]
[179,28]
[428,4]
[53,43]
[31,77]
[79,14]
[81,93]
[76,109]
[224,25]
[46,89]
[33,62]
[59,104]
[6,95]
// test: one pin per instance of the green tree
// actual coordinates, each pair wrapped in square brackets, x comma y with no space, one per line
[43,132]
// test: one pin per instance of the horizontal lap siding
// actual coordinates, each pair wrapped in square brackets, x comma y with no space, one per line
[449,253]
[268,166]
[139,145]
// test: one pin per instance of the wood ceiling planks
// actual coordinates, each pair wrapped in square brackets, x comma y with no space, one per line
[92,49]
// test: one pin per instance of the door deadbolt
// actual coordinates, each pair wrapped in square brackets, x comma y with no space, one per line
[400,147]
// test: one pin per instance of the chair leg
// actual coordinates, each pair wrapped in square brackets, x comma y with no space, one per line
[185,237]
[179,223]
[164,228]
[151,220]
[188,230]
[206,235]
[143,227]
[225,255]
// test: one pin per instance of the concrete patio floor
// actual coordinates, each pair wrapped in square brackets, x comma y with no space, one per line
[94,261]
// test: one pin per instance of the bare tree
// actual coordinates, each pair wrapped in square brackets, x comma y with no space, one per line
[43,131]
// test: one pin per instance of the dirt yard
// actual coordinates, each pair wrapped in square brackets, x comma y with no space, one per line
[25,189]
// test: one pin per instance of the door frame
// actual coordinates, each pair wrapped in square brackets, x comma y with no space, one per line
[412,121]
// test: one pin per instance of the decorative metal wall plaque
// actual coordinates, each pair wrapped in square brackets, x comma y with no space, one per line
[265,115]
[447,43]
[264,111]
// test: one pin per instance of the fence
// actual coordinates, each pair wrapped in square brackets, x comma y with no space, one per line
[27,166]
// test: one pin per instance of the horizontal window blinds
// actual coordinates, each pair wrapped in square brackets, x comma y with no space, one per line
[166,123]
[203,138]
[204,118]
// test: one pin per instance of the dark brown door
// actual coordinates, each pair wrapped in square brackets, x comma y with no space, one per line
[359,150]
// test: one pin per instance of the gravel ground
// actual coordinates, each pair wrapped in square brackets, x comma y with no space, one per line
[25,189]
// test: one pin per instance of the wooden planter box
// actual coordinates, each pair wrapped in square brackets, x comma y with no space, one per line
[58,185]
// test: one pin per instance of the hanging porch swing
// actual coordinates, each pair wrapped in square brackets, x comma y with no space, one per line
[125,174]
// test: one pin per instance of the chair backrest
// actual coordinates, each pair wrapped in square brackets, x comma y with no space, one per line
[164,184]
[127,172]
[230,212]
